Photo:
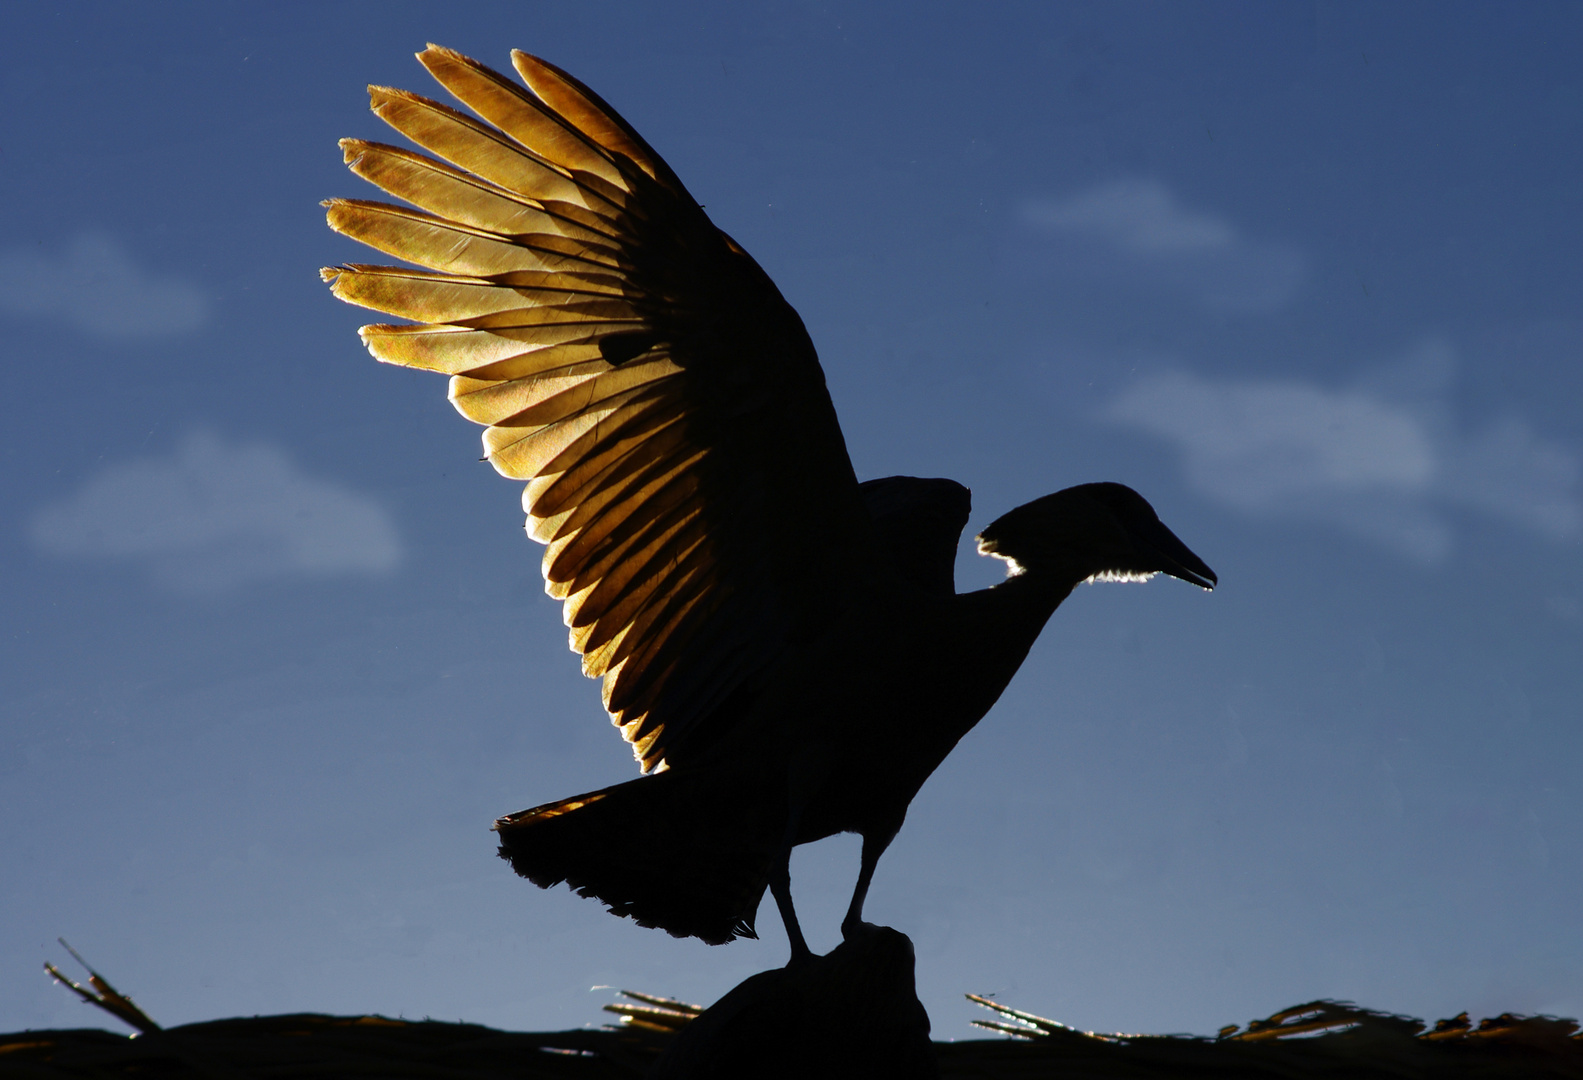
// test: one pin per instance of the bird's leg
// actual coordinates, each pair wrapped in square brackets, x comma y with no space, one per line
[874,845]
[780,886]
[802,780]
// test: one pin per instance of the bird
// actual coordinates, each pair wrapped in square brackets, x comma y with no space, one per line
[782,647]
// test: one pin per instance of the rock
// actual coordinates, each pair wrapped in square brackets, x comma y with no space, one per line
[851,1013]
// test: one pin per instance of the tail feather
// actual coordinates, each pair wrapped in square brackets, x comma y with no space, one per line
[689,853]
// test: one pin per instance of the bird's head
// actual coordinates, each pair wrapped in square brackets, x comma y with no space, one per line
[1092,532]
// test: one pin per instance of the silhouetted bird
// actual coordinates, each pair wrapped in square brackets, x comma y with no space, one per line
[783,647]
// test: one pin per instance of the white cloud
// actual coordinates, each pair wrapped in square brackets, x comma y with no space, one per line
[1507,470]
[94,284]
[1379,468]
[216,515]
[1137,225]
[1141,215]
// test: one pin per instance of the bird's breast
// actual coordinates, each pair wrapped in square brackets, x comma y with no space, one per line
[864,714]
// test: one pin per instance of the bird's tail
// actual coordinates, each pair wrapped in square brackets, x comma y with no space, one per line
[690,852]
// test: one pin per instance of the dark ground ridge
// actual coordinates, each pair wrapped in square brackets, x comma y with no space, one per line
[1317,1040]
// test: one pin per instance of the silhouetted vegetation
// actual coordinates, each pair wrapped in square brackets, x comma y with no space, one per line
[307,1047]
[840,1009]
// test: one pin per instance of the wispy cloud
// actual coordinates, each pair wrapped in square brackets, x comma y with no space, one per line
[94,284]
[216,515]
[1380,468]
[1138,226]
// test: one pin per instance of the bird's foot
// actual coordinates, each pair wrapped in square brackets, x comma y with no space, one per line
[857,928]
[800,958]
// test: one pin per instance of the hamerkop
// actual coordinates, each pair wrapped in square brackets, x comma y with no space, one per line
[783,647]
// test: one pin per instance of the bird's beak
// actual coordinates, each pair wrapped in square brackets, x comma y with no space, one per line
[1169,555]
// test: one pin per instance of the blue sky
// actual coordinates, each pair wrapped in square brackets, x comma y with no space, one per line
[1305,275]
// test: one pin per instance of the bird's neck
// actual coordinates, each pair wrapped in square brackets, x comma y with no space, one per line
[1010,615]
[995,628]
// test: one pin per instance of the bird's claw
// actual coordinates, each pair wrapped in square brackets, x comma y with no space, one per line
[857,928]
[800,958]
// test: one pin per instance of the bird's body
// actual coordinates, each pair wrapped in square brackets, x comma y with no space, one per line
[842,735]
[783,647]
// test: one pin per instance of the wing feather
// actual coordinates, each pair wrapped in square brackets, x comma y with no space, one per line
[428,297]
[634,366]
[676,599]
[607,549]
[450,193]
[631,477]
[555,395]
[487,153]
[632,681]
[422,238]
[522,452]
[610,606]
[585,111]
[520,115]
[551,493]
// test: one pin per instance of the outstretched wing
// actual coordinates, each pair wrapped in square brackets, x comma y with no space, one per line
[633,364]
